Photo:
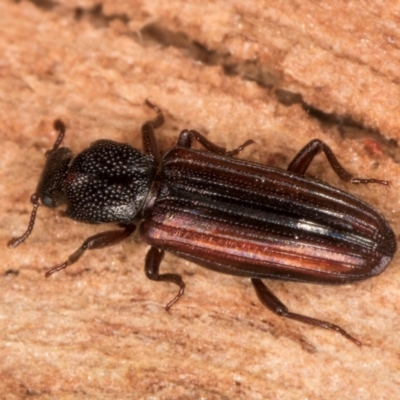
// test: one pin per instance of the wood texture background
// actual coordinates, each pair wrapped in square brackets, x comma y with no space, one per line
[279,74]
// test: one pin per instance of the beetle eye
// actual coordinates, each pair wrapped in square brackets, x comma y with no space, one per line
[48,201]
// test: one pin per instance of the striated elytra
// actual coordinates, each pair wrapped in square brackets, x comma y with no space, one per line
[232,216]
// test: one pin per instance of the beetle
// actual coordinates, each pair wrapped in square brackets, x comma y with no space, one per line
[232,216]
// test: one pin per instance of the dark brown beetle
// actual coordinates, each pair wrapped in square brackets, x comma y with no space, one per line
[232,216]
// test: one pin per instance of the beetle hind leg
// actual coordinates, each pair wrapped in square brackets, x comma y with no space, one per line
[276,306]
[152,266]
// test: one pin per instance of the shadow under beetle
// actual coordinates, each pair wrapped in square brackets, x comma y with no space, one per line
[229,215]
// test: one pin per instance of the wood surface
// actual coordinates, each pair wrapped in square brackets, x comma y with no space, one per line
[280,73]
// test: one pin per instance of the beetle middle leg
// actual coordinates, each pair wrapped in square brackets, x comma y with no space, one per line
[186,138]
[103,239]
[152,266]
[304,157]
[276,306]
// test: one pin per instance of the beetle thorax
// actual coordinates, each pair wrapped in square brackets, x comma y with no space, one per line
[108,182]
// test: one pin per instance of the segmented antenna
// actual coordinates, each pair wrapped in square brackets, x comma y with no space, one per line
[59,126]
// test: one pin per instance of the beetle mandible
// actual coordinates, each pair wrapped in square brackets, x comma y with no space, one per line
[232,216]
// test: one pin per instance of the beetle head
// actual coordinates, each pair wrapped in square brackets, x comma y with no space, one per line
[49,189]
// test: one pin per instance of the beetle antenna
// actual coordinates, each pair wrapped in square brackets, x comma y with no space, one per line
[60,127]
[14,242]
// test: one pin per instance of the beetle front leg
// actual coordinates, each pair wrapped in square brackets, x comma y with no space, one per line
[152,266]
[276,306]
[304,157]
[186,138]
[103,239]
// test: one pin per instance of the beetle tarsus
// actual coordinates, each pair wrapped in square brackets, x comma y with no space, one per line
[276,306]
[152,265]
[366,181]
[56,269]
[240,148]
[177,297]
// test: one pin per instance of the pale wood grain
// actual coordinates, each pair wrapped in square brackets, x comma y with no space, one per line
[99,330]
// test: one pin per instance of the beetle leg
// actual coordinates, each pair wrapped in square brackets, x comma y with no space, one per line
[59,126]
[304,157]
[103,239]
[153,260]
[186,138]
[276,306]
[148,138]
[240,148]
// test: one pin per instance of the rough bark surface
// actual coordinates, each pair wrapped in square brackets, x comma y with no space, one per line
[280,74]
